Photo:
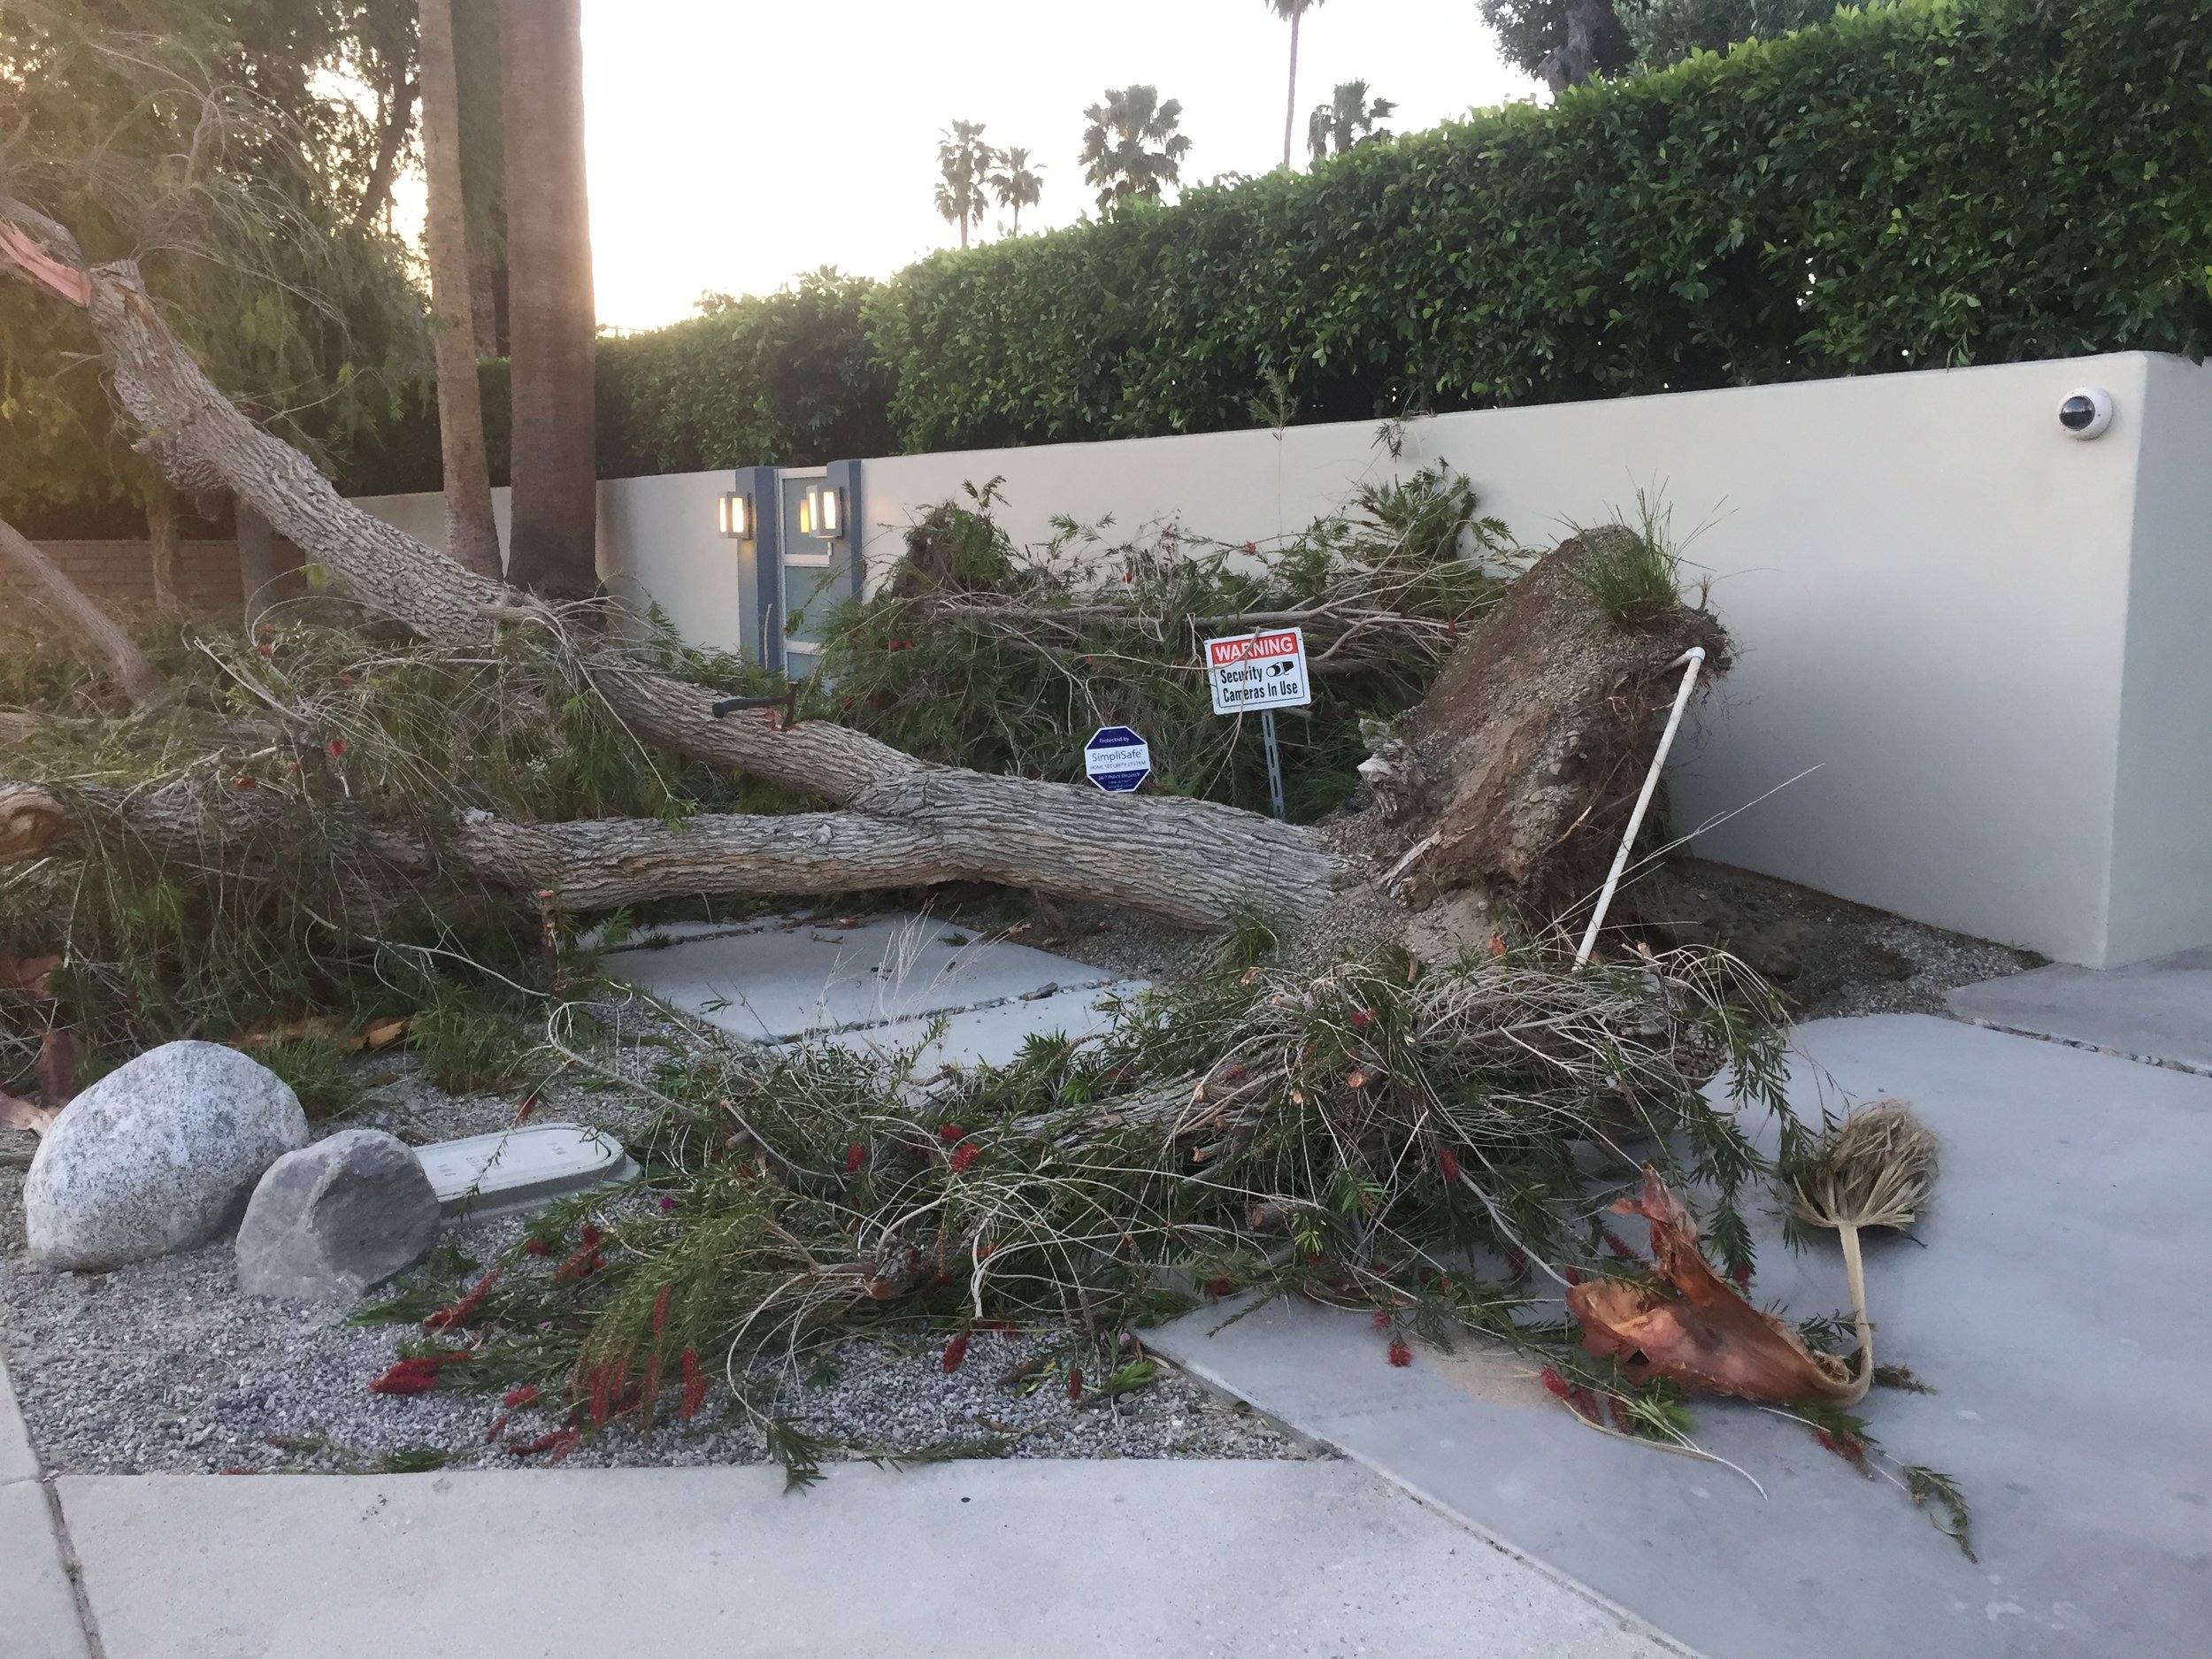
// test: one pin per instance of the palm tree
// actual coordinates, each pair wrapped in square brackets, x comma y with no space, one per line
[1131,147]
[552,321]
[962,162]
[1292,11]
[472,537]
[1346,119]
[1016,183]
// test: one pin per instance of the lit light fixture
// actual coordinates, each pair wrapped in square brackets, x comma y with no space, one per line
[821,511]
[737,516]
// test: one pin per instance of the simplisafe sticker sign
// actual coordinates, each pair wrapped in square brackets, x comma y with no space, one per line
[1259,670]
[1117,759]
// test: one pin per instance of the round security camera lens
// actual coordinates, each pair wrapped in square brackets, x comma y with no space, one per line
[2076,412]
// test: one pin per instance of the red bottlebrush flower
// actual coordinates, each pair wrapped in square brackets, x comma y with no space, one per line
[1451,629]
[1497,946]
[415,1376]
[242,782]
[528,1105]
[1517,1262]
[335,749]
[1554,1382]
[560,1443]
[986,1248]
[1448,1165]
[590,1236]
[446,1318]
[266,650]
[1251,546]
[950,1132]
[1613,1405]
[515,1399]
[606,1383]
[956,1351]
[580,1263]
[1129,576]
[695,1385]
[1400,1354]
[1583,1403]
[1574,1275]
[1218,1287]
[1362,1020]
[536,1247]
[498,1427]
[1381,1320]
[855,1155]
[1232,1073]
[900,645]
[660,1308]
[964,1155]
[1619,1247]
[668,1204]
[1075,1383]
[1741,1274]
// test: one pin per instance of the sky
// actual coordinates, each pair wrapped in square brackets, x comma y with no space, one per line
[733,146]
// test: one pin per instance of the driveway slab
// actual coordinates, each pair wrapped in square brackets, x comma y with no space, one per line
[1014,1558]
[2045,1301]
[2156,1011]
[38,1608]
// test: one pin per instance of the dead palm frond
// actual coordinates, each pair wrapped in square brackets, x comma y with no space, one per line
[1875,1169]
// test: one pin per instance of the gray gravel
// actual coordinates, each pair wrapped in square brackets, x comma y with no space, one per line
[162,1366]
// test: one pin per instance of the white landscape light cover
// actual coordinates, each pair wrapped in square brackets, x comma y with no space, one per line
[737,515]
[2086,411]
[828,517]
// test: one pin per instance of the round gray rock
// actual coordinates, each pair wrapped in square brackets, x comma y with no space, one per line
[160,1154]
[330,1220]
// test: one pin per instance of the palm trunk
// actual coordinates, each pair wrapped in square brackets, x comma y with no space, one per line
[551,319]
[399,115]
[164,544]
[471,534]
[1290,109]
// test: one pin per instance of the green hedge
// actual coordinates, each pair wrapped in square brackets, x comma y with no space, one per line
[1921,185]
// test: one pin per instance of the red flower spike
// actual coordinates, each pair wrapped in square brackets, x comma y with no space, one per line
[965,1156]
[266,650]
[1620,1414]
[536,1247]
[1400,1354]
[1584,1404]
[1075,1383]
[1218,1287]
[1362,1020]
[950,1132]
[459,1313]
[854,1156]
[529,1105]
[1497,946]
[590,1237]
[1574,1275]
[515,1399]
[1517,1262]
[1381,1320]
[1741,1274]
[335,749]
[660,1309]
[1448,1165]
[1554,1383]
[498,1427]
[242,782]
[1619,1247]
[546,1443]
[956,1351]
[695,1385]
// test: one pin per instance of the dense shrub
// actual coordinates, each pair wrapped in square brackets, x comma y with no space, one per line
[1920,185]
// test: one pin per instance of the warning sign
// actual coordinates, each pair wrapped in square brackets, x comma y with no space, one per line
[1258,670]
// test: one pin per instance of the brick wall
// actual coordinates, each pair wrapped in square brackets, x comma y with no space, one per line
[121,573]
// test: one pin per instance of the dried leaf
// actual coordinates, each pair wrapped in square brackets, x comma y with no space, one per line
[380,1034]
[28,974]
[21,1114]
[1706,1338]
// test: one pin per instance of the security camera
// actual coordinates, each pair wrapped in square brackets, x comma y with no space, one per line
[2086,411]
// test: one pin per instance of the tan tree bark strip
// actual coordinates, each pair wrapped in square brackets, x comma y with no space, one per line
[136,676]
[164,543]
[471,534]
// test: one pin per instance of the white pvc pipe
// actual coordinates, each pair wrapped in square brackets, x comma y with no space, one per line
[1693,657]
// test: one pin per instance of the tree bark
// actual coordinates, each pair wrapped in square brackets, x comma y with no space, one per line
[471,534]
[164,543]
[136,676]
[391,139]
[552,317]
[1290,108]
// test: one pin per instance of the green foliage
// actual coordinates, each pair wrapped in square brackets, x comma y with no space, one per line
[1668,31]
[1913,188]
[1131,149]
[317,1071]
[975,654]
[1633,576]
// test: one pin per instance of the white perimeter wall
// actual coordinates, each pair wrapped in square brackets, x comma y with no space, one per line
[1984,640]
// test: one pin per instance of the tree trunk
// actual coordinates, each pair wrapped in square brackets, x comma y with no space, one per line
[136,676]
[552,535]
[391,140]
[164,544]
[1290,108]
[471,534]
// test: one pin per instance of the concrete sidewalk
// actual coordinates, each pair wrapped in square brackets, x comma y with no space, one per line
[1023,1557]
[38,1603]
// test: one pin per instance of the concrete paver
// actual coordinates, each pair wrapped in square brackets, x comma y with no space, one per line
[38,1607]
[1015,1557]
[775,983]
[16,1460]
[2041,1301]
[2160,1011]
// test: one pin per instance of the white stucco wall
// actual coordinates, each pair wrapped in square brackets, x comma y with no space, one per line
[1981,639]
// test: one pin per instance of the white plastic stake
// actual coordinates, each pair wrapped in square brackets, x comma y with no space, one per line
[1693,658]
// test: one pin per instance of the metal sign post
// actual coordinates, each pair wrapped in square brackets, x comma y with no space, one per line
[1262,671]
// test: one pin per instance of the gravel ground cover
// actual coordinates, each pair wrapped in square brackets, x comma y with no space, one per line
[162,1366]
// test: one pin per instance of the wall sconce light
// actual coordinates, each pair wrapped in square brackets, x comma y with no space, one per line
[737,516]
[821,511]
